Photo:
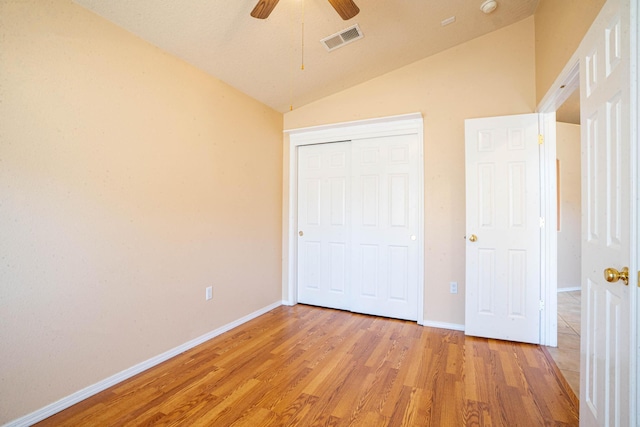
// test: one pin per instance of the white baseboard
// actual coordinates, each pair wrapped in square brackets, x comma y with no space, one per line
[443,325]
[576,288]
[81,395]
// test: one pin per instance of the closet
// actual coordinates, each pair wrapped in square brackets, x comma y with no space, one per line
[359,223]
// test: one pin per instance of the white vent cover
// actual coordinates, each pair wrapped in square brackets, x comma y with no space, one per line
[342,38]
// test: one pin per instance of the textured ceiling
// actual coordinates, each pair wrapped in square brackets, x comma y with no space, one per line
[262,58]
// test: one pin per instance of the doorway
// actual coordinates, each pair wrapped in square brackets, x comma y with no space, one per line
[568,172]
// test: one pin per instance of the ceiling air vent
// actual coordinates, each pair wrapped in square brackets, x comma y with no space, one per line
[342,38]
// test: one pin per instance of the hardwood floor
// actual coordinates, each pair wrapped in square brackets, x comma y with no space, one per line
[309,366]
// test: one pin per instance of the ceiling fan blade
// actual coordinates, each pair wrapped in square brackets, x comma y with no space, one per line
[263,8]
[347,9]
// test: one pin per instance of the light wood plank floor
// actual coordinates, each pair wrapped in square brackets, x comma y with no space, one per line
[308,366]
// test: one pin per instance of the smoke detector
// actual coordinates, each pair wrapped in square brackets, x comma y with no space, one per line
[489,6]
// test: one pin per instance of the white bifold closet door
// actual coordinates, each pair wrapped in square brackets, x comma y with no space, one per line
[358,223]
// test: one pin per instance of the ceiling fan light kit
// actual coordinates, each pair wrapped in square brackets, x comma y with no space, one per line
[347,9]
[488,6]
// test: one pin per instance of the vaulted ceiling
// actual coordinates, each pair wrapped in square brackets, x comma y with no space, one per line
[263,58]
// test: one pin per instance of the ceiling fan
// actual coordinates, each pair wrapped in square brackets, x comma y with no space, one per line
[347,9]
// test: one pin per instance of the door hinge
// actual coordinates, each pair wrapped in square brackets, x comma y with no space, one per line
[540,139]
[541,305]
[541,222]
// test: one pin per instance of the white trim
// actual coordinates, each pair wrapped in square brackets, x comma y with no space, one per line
[443,325]
[366,122]
[549,234]
[572,289]
[96,388]
[634,110]
[383,126]
[567,82]
[557,94]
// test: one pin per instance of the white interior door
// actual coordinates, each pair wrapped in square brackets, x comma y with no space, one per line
[503,228]
[385,226]
[324,176]
[358,225]
[606,227]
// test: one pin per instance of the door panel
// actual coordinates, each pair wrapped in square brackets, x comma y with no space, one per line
[517,284]
[503,209]
[606,167]
[385,217]
[323,218]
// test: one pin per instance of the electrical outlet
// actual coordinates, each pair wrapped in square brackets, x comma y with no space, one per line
[453,287]
[209,293]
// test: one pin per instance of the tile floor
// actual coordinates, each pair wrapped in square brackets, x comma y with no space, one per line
[567,354]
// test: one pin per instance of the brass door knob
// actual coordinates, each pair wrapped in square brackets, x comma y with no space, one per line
[473,238]
[300,233]
[612,275]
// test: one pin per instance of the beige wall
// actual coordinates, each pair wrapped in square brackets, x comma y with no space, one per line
[129,181]
[569,241]
[560,26]
[489,76]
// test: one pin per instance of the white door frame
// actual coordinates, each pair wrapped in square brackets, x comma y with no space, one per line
[563,87]
[346,131]
[635,170]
